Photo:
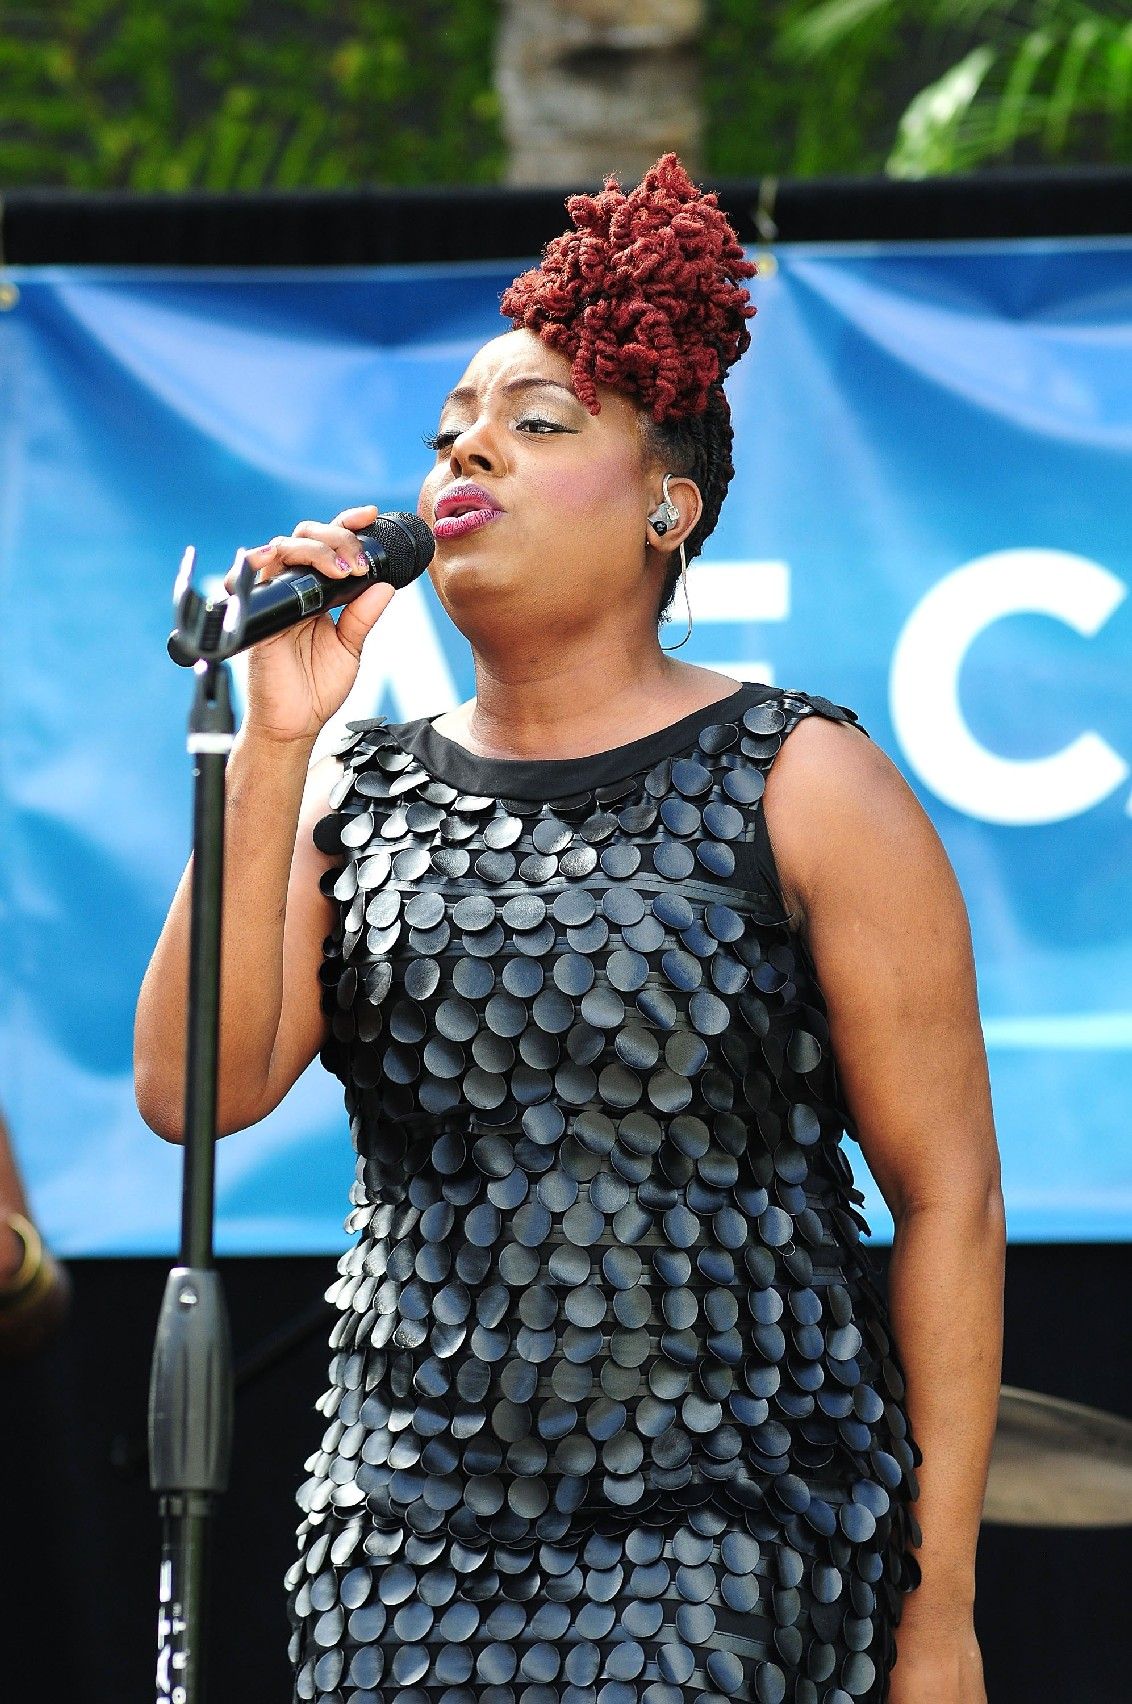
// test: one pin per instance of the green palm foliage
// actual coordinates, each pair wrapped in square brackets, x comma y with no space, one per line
[283,94]
[236,94]
[1041,79]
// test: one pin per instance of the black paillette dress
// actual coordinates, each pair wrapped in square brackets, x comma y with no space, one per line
[615,1413]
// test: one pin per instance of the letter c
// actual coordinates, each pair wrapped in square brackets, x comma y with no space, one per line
[924,680]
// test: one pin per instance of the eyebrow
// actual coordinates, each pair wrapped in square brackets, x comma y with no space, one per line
[465,393]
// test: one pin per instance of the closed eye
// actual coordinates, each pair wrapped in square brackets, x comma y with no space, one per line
[537,428]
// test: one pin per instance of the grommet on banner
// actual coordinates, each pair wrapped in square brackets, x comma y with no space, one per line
[9,292]
[763,216]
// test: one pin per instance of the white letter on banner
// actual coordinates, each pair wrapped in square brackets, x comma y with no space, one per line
[732,594]
[924,682]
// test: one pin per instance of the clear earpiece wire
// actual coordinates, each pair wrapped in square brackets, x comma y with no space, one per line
[687,601]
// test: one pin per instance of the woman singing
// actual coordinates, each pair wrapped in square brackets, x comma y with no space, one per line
[609,959]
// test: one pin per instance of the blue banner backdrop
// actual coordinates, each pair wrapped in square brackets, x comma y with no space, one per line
[929,522]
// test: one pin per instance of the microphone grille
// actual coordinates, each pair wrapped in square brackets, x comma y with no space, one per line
[407,542]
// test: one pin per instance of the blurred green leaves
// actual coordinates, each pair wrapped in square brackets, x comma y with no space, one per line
[1014,81]
[246,94]
[239,94]
[773,110]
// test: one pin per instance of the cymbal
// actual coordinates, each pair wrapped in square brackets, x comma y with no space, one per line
[1058,1463]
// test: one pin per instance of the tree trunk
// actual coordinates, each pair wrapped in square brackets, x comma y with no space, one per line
[592,86]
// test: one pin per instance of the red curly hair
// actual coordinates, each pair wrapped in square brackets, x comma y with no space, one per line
[643,294]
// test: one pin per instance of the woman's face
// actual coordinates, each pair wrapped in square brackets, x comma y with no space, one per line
[538,506]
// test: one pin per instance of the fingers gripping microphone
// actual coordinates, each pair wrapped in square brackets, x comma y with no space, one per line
[398,548]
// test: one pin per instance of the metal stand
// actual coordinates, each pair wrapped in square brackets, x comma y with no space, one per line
[190,1394]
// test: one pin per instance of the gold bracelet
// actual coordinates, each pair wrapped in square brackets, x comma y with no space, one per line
[35,1273]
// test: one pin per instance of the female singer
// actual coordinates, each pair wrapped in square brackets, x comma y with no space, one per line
[609,959]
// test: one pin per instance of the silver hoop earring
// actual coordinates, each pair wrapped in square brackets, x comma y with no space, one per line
[687,601]
[666,514]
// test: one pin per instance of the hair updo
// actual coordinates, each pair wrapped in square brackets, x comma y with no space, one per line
[643,295]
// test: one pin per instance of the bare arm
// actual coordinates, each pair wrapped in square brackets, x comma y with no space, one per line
[275,918]
[888,930]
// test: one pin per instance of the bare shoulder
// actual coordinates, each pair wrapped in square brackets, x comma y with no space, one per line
[842,819]
[835,764]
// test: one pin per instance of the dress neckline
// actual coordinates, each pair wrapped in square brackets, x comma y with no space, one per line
[548,778]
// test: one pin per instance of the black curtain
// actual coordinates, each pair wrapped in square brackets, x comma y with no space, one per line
[367,227]
[80,1535]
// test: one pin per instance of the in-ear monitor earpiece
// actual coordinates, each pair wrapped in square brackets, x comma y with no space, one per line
[666,514]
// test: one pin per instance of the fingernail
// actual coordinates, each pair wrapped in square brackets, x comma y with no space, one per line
[346,567]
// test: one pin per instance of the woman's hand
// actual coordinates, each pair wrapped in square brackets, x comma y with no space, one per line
[937,1660]
[297,679]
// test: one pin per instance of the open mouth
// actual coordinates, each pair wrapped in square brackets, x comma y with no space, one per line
[466,521]
[463,510]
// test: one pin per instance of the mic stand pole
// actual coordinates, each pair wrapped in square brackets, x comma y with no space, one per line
[190,1395]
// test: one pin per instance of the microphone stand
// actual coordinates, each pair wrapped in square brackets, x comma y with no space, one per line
[190,1393]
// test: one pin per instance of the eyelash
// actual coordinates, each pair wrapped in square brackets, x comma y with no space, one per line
[444,440]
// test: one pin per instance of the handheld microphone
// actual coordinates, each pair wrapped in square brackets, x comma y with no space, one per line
[398,547]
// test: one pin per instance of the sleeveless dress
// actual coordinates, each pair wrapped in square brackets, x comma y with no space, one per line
[615,1413]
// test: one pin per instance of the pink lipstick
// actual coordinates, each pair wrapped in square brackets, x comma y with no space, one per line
[463,507]
[455,526]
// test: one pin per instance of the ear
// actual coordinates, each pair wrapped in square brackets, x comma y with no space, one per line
[684,494]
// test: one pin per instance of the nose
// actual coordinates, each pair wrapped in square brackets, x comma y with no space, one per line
[476,449]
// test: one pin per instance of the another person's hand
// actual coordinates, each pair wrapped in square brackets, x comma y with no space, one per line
[298,678]
[35,1290]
